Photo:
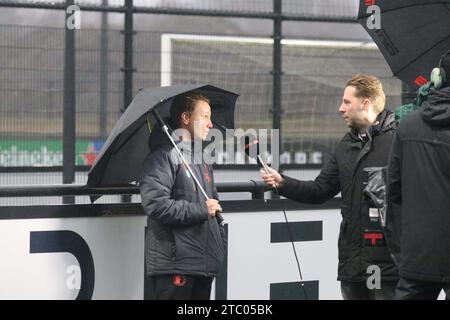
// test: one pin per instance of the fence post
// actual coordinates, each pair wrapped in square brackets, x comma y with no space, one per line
[277,73]
[69,137]
[128,55]
[258,194]
[128,64]
[104,74]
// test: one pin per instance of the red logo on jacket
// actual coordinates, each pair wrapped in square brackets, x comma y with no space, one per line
[178,280]
[206,174]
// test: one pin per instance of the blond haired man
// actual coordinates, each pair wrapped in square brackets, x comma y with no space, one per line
[362,248]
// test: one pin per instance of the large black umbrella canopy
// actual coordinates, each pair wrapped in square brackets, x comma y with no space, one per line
[414,34]
[120,159]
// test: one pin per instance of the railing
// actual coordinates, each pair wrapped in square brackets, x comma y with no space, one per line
[256,188]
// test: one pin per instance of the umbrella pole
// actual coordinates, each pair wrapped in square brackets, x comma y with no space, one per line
[188,167]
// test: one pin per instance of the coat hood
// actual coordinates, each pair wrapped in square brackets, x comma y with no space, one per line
[386,122]
[436,110]
[158,139]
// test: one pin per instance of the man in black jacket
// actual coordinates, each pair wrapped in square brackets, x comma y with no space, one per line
[362,251]
[418,217]
[185,245]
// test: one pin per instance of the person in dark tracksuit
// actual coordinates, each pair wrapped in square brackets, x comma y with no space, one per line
[418,193]
[366,145]
[185,245]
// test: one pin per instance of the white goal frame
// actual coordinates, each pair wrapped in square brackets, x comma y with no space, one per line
[168,38]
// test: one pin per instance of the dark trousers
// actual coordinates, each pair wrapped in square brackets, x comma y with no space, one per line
[177,287]
[359,291]
[408,289]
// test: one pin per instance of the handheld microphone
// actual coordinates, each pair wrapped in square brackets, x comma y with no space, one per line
[251,149]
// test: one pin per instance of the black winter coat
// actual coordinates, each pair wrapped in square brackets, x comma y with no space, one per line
[344,173]
[181,238]
[418,217]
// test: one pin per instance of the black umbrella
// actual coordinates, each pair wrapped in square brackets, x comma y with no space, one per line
[119,161]
[412,37]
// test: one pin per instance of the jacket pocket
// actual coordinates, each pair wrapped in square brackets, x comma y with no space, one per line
[376,254]
[189,242]
[216,247]
[164,245]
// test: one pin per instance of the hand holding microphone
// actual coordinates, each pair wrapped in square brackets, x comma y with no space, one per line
[271,177]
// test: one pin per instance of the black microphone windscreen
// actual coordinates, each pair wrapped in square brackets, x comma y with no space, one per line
[251,147]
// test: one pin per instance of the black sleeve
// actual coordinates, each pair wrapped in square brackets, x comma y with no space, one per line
[156,188]
[394,198]
[323,188]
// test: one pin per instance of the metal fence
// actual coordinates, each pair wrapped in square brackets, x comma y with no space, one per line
[54,113]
